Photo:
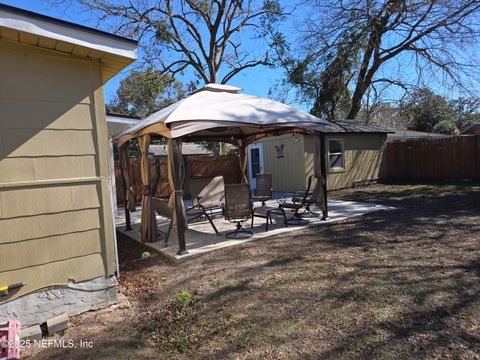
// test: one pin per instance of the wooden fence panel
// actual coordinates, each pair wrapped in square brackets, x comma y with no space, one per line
[200,166]
[434,159]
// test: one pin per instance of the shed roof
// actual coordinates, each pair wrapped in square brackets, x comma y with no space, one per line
[26,27]
[335,127]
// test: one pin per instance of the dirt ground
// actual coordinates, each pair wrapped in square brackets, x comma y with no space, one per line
[389,285]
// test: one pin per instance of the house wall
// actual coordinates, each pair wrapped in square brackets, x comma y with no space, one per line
[287,172]
[364,158]
[55,207]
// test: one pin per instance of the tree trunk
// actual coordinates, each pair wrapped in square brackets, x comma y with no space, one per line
[356,102]
[362,86]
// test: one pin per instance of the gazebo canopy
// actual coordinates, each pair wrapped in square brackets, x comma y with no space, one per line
[221,113]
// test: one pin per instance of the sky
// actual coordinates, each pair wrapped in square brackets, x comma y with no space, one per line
[255,81]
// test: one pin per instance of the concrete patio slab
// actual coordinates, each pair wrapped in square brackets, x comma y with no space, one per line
[200,237]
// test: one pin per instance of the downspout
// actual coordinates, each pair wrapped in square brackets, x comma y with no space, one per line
[114,206]
[323,167]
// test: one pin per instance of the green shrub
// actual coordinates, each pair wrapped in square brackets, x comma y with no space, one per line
[215,282]
[183,300]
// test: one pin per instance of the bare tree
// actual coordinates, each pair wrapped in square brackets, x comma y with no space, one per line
[424,39]
[206,36]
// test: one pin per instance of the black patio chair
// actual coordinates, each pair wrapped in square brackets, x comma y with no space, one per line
[238,209]
[301,200]
[307,199]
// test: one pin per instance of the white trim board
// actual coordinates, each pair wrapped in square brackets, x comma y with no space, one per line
[88,39]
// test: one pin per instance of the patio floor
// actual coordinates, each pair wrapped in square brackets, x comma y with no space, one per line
[200,237]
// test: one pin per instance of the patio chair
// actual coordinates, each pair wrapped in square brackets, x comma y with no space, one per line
[300,200]
[238,209]
[160,206]
[263,189]
[307,199]
[205,199]
[263,192]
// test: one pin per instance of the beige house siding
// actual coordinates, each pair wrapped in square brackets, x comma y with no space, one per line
[287,171]
[55,209]
[364,160]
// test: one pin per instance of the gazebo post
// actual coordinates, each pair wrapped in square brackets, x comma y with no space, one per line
[182,248]
[323,167]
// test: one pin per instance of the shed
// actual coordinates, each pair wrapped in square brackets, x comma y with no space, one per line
[473,128]
[56,216]
[354,154]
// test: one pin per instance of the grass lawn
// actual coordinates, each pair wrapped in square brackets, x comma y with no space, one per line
[389,285]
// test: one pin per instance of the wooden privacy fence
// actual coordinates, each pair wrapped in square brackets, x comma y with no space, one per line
[199,166]
[434,159]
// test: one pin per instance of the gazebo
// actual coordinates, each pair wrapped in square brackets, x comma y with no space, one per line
[214,113]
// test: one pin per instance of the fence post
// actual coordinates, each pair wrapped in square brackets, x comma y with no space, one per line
[476,157]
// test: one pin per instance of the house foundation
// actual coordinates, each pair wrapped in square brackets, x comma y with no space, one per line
[73,299]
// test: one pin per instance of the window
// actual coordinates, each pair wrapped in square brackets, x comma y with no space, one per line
[336,154]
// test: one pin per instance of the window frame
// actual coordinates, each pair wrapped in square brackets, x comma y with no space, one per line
[342,153]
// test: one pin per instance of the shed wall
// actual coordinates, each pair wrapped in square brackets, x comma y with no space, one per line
[364,159]
[55,211]
[288,171]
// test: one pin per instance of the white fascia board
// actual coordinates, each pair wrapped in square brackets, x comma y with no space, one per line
[69,35]
[120,120]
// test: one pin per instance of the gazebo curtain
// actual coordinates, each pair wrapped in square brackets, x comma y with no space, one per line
[125,164]
[149,220]
[318,192]
[175,179]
